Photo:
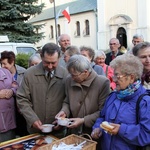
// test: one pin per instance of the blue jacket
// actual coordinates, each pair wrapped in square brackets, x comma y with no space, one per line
[123,112]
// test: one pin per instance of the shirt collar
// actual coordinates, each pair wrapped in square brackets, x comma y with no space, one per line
[115,53]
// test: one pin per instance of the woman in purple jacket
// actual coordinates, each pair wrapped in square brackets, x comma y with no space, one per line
[120,108]
[8,89]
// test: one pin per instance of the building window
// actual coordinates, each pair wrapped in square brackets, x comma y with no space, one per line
[58,30]
[51,32]
[87,27]
[78,28]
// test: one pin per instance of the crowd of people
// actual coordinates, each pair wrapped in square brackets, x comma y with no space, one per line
[84,85]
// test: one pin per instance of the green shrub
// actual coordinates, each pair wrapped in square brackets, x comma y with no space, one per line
[22,60]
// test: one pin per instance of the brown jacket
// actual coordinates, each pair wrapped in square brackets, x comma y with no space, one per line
[39,100]
[88,107]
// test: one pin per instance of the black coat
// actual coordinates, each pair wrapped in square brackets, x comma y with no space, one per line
[109,57]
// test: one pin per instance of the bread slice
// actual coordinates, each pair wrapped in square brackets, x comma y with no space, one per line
[106,126]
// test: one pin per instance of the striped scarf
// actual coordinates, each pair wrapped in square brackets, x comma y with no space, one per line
[129,90]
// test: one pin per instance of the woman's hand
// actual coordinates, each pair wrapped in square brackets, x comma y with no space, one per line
[96,133]
[116,128]
[6,93]
[2,93]
[56,125]
[75,122]
[9,93]
[61,114]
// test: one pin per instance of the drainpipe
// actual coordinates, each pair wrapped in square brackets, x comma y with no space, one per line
[95,12]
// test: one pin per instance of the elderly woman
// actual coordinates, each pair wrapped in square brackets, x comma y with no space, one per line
[7,61]
[34,60]
[70,51]
[85,95]
[100,60]
[90,53]
[142,51]
[120,108]
[8,89]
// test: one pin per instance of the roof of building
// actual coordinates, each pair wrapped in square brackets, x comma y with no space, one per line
[75,7]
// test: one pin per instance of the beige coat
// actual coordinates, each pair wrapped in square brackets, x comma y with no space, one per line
[39,100]
[98,89]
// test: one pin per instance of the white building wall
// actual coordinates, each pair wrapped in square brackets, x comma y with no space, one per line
[144,18]
[111,9]
[100,29]
[148,19]
[137,10]
[86,40]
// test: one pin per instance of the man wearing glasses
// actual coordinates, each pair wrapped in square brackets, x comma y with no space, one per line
[114,45]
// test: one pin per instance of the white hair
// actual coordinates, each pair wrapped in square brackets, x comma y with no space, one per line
[99,53]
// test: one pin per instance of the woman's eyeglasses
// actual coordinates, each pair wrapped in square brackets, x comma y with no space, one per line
[74,76]
[117,77]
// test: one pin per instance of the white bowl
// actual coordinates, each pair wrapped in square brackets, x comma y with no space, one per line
[47,128]
[63,121]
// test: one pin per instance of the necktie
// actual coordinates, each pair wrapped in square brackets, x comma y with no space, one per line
[48,76]
[113,56]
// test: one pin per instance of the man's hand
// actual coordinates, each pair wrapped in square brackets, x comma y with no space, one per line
[37,125]
[75,122]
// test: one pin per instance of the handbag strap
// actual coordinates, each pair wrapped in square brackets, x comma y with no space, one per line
[106,71]
[84,98]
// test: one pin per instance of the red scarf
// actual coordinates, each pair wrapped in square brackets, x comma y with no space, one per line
[146,77]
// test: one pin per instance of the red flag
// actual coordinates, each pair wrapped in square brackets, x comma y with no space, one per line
[66,14]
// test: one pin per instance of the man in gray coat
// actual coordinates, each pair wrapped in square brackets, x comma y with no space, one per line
[42,91]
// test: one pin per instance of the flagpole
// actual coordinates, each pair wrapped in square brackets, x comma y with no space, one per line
[56,36]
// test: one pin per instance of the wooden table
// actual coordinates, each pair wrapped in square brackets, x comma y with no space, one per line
[23,140]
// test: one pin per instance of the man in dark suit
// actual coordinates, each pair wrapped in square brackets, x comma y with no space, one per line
[114,45]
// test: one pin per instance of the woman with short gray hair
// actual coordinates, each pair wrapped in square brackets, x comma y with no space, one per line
[128,64]
[127,132]
[99,59]
[85,95]
[34,59]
